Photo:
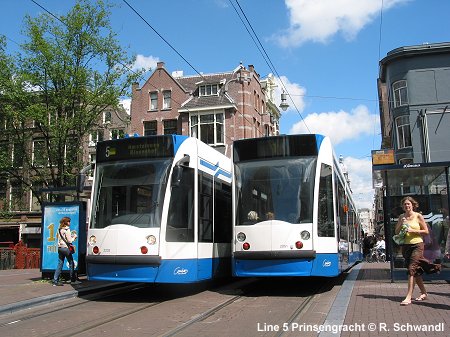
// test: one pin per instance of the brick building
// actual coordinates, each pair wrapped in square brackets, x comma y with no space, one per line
[20,211]
[216,108]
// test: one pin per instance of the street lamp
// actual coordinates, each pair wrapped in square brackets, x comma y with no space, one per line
[284,105]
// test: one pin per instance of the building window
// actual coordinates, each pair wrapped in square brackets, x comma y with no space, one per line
[170,127]
[208,127]
[403,132]
[18,155]
[153,101]
[150,128]
[117,133]
[400,92]
[208,90]
[3,203]
[16,196]
[95,136]
[107,117]
[167,99]
[4,153]
[39,158]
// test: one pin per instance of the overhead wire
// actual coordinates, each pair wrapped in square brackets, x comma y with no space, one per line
[162,38]
[266,57]
[178,53]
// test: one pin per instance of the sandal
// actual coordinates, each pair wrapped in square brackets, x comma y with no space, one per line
[422,297]
[403,303]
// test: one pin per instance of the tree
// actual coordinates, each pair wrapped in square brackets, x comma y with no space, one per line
[71,70]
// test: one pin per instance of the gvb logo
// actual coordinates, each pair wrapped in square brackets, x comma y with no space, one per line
[180,271]
[326,263]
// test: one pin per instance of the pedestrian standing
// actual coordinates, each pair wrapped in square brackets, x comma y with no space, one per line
[65,238]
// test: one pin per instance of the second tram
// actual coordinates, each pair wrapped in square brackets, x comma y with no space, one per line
[293,210]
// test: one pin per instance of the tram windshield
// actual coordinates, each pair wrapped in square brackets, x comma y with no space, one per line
[279,189]
[130,193]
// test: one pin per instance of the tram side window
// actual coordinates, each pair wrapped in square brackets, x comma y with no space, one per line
[205,207]
[342,202]
[180,221]
[325,219]
[222,212]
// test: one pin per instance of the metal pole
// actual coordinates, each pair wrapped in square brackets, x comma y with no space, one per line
[387,226]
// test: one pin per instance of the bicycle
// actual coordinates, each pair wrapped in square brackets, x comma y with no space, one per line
[376,255]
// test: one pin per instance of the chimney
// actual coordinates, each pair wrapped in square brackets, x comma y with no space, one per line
[135,86]
[160,65]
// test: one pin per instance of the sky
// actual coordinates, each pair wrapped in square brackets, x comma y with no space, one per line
[325,53]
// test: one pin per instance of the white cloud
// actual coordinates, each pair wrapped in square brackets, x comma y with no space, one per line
[339,126]
[360,173]
[126,103]
[319,20]
[296,92]
[146,62]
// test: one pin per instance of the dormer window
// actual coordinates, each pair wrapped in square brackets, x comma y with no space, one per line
[208,90]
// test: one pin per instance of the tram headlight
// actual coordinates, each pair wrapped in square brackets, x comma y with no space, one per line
[305,235]
[92,240]
[241,237]
[151,240]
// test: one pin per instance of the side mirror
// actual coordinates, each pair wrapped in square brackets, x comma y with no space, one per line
[81,177]
[177,174]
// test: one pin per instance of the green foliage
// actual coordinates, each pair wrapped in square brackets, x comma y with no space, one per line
[55,92]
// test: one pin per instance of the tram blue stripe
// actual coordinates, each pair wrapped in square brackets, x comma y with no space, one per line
[218,171]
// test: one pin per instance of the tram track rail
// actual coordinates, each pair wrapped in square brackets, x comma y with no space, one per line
[87,296]
[243,294]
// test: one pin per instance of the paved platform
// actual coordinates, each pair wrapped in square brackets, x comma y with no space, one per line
[367,303]
[25,288]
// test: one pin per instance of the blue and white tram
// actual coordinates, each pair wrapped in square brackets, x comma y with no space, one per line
[292,209]
[161,211]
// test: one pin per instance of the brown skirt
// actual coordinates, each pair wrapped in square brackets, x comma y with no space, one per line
[415,261]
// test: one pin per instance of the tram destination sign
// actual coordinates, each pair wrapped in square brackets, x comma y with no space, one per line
[135,148]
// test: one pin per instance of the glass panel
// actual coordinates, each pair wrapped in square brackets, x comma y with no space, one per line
[325,219]
[180,221]
[153,101]
[150,128]
[220,136]
[207,133]
[205,208]
[222,212]
[284,188]
[207,118]
[167,100]
[130,193]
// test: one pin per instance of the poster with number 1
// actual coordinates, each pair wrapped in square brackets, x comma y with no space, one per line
[52,214]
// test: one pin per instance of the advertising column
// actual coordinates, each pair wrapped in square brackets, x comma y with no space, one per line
[52,214]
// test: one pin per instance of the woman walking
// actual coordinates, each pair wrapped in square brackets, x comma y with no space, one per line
[412,249]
